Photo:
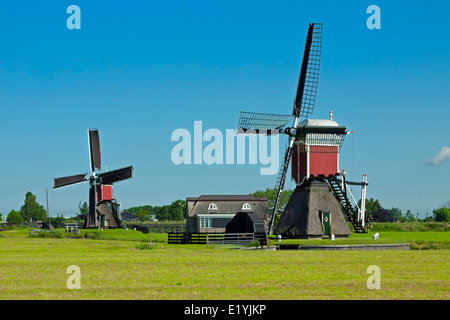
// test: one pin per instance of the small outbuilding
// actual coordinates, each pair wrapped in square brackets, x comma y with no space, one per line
[212,213]
[246,222]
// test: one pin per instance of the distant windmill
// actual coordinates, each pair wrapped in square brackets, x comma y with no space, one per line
[313,148]
[104,210]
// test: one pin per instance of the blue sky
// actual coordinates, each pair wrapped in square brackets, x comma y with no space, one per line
[138,70]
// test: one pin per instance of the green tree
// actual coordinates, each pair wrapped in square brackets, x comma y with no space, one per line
[394,214]
[142,215]
[271,196]
[31,210]
[382,215]
[148,208]
[14,217]
[442,214]
[378,213]
[409,216]
[162,213]
[84,209]
[176,210]
[372,206]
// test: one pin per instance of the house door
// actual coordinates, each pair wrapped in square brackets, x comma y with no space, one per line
[102,221]
[326,222]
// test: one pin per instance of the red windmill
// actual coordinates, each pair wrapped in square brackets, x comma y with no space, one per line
[315,209]
[104,210]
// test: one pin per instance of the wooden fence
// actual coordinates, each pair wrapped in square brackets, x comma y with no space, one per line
[240,239]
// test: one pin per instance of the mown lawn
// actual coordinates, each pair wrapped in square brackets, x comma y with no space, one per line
[35,268]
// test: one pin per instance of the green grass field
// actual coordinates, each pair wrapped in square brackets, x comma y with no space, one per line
[114,266]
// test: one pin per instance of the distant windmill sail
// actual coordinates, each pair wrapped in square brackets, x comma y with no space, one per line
[69,180]
[94,150]
[116,175]
[98,183]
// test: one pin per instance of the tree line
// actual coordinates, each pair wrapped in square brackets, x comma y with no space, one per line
[377,213]
[32,211]
[173,211]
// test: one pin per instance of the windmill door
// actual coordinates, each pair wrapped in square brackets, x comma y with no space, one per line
[326,223]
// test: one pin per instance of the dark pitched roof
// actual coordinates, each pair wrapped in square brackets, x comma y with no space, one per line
[246,222]
[227,204]
[126,215]
[221,197]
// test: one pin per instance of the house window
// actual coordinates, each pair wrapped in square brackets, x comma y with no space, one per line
[246,206]
[205,222]
[212,206]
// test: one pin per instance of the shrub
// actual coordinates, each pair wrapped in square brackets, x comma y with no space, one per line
[48,234]
[145,246]
[442,214]
[95,235]
[255,243]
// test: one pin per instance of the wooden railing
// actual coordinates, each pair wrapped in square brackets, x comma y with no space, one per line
[240,239]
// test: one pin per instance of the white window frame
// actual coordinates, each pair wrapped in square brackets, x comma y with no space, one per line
[246,206]
[212,206]
[205,222]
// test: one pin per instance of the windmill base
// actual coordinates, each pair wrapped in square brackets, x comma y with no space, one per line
[312,212]
[107,216]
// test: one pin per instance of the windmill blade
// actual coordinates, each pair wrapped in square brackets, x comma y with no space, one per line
[261,123]
[116,175]
[281,180]
[94,149]
[69,180]
[309,72]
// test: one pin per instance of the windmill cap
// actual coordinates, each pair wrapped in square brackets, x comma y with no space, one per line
[318,123]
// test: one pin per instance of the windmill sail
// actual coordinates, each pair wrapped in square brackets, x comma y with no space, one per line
[116,175]
[305,97]
[69,180]
[94,150]
[281,180]
[254,121]
[263,123]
